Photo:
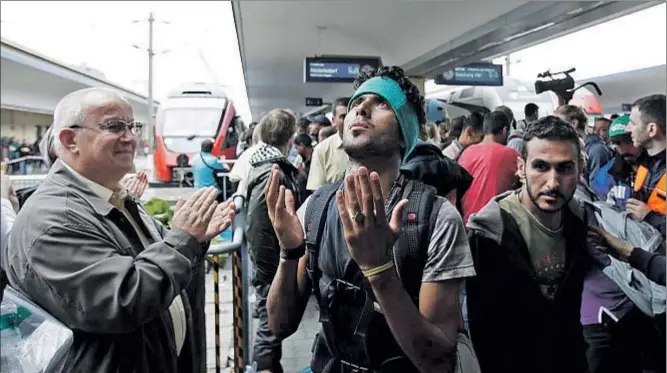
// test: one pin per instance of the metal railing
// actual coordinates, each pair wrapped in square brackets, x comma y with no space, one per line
[30,164]
[240,289]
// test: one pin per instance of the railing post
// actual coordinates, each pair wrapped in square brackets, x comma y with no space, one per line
[240,291]
[246,303]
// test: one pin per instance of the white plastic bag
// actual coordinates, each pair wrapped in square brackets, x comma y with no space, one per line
[32,341]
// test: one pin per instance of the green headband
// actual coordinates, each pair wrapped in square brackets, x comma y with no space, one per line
[407,118]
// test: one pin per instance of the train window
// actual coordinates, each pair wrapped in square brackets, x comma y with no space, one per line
[468,92]
[189,122]
[232,136]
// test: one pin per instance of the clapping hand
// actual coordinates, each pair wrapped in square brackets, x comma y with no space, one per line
[136,184]
[222,219]
[361,208]
[202,216]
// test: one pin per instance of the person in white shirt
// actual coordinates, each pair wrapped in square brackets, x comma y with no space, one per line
[241,168]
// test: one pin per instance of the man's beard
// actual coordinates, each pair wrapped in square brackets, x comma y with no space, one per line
[554,193]
[382,146]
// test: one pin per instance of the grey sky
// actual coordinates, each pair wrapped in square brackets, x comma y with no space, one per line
[203,47]
[101,34]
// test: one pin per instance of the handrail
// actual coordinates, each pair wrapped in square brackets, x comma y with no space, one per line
[238,231]
[26,158]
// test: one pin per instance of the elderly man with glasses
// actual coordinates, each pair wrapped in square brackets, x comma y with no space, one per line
[87,252]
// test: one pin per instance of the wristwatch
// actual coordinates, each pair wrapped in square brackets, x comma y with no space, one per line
[293,254]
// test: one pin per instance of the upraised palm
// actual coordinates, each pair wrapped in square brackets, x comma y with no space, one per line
[280,203]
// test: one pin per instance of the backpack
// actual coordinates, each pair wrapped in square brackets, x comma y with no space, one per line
[417,224]
[427,164]
[648,296]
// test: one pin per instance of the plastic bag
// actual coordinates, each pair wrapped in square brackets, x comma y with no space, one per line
[32,341]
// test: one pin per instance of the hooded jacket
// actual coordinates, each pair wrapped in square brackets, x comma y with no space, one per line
[598,154]
[427,164]
[513,327]
[262,241]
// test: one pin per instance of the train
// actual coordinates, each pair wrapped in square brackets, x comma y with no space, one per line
[190,114]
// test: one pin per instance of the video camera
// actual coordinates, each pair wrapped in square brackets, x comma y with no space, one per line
[562,87]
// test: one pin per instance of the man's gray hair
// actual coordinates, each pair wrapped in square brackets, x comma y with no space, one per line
[256,136]
[277,127]
[47,147]
[73,108]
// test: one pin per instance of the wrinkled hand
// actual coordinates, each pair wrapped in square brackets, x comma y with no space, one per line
[280,203]
[621,247]
[195,214]
[221,220]
[136,184]
[637,209]
[369,242]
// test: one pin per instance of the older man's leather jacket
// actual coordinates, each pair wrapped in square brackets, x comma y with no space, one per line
[77,256]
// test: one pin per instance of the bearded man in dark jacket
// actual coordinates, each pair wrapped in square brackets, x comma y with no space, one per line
[530,258]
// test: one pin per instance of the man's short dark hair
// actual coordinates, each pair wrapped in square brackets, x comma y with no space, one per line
[571,112]
[475,121]
[551,128]
[340,101]
[495,122]
[303,122]
[414,97]
[322,120]
[456,126]
[601,119]
[507,111]
[277,127]
[303,139]
[326,132]
[207,146]
[530,110]
[652,109]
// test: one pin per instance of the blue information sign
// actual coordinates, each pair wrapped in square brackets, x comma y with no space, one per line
[476,74]
[337,69]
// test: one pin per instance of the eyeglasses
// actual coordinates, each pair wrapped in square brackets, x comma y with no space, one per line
[116,126]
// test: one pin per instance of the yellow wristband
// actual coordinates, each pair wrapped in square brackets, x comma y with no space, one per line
[379,269]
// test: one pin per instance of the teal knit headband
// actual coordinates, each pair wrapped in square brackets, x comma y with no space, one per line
[407,118]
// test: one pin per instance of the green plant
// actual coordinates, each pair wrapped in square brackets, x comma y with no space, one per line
[160,210]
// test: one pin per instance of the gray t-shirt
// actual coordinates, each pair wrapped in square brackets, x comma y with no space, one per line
[546,247]
[448,255]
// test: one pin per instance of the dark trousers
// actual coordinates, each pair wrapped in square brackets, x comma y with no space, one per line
[630,345]
[267,350]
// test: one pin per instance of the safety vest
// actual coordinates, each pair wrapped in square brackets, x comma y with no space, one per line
[656,201]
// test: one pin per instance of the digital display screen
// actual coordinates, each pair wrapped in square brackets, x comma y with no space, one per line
[476,74]
[337,69]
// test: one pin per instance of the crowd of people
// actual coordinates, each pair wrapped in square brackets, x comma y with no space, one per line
[481,244]
[14,150]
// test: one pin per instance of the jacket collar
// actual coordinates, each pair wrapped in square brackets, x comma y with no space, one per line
[93,193]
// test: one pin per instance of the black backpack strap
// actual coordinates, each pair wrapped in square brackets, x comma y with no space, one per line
[315,219]
[417,224]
